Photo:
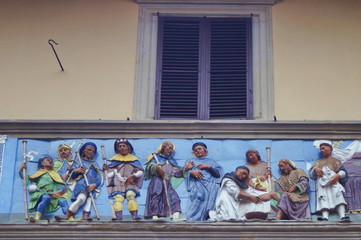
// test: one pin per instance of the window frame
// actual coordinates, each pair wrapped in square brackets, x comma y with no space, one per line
[262,58]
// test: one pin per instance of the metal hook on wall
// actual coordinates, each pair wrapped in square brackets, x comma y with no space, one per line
[51,40]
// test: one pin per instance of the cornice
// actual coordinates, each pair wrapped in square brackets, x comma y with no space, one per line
[182,129]
[218,2]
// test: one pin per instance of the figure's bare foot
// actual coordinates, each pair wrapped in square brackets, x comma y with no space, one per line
[280,215]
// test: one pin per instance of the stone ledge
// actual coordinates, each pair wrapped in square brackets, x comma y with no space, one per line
[221,2]
[54,129]
[169,230]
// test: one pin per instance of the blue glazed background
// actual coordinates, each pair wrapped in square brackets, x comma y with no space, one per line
[228,153]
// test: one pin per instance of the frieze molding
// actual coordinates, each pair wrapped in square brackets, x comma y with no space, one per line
[220,2]
[241,129]
[182,231]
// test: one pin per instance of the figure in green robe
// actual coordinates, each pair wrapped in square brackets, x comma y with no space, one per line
[47,190]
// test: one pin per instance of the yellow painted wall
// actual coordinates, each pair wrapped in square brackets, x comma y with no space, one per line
[317,59]
[97,47]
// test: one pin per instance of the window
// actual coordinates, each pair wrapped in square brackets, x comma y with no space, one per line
[259,102]
[204,68]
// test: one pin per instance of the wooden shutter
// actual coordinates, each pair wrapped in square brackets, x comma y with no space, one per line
[229,69]
[178,68]
[203,68]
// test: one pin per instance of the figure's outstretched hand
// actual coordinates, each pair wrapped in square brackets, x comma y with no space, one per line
[189,165]
[292,189]
[22,167]
[56,194]
[69,167]
[262,178]
[335,179]
[160,170]
[130,179]
[268,173]
[203,166]
[196,174]
[65,176]
[255,199]
[105,167]
[265,197]
[80,170]
[318,171]
[91,187]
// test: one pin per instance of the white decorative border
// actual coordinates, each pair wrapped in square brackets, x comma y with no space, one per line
[2,142]
[2,139]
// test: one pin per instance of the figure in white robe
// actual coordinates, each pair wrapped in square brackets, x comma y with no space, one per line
[237,197]
[329,172]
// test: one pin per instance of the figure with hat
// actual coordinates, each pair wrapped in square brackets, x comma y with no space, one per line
[161,167]
[125,177]
[63,162]
[88,179]
[47,190]
[329,173]
[258,169]
[202,182]
[238,199]
[292,188]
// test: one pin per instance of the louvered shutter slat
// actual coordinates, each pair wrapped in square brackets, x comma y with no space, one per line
[211,80]
[179,73]
[228,73]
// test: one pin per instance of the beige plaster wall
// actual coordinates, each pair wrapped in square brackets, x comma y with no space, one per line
[97,47]
[317,59]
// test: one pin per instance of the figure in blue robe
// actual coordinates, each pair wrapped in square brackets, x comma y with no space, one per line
[81,190]
[203,183]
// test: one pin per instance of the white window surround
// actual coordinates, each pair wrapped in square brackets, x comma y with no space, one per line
[2,150]
[263,93]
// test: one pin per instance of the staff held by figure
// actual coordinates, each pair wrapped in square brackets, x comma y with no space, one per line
[165,188]
[87,184]
[106,177]
[73,160]
[270,180]
[26,207]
